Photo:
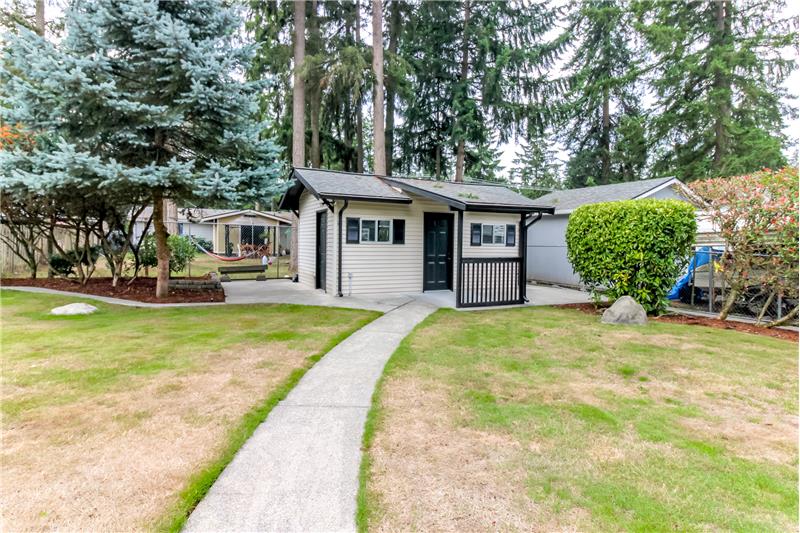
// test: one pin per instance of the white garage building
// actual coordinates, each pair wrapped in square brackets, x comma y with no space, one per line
[547,246]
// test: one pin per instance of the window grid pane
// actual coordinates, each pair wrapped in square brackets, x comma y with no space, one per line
[367,231]
[384,232]
[499,234]
[488,230]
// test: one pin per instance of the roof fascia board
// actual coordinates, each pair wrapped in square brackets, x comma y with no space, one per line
[675,182]
[305,183]
[241,212]
[357,198]
[499,208]
[655,189]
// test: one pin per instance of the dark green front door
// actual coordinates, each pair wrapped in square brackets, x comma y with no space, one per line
[438,254]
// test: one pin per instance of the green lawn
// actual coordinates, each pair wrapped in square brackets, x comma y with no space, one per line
[542,418]
[122,419]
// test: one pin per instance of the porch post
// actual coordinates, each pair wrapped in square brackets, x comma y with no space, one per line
[459,254]
[523,245]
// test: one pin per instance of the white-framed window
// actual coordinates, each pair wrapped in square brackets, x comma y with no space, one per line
[389,231]
[493,235]
[376,230]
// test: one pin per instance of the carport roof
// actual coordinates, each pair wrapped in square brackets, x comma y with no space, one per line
[330,185]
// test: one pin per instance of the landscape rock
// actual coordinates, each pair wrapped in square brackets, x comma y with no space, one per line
[625,310]
[74,309]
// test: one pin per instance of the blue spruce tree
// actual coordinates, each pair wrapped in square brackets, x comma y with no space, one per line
[140,96]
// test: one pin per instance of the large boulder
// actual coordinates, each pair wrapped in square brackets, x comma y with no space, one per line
[625,310]
[74,309]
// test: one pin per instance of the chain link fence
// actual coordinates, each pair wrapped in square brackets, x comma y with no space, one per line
[223,244]
[704,288]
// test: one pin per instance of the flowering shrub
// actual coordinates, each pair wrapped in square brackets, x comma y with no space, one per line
[757,217]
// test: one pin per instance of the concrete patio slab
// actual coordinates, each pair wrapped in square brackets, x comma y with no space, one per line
[285,291]
[299,470]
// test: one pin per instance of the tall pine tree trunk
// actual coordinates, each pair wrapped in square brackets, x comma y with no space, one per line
[359,111]
[461,149]
[39,17]
[391,83]
[379,141]
[162,247]
[437,172]
[298,106]
[722,85]
[315,96]
[605,140]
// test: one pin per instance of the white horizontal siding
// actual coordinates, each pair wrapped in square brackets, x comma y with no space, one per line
[490,250]
[307,245]
[386,267]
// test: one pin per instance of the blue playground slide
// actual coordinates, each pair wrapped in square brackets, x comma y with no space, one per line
[701,257]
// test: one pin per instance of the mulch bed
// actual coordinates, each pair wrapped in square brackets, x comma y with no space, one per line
[141,290]
[777,333]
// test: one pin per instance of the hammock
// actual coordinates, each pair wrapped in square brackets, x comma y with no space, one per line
[221,257]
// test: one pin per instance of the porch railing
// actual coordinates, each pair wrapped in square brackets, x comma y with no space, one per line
[485,281]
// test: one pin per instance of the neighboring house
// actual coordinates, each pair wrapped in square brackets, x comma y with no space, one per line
[225,229]
[547,245]
[360,233]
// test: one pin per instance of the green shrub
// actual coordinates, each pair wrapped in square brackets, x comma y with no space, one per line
[61,265]
[64,265]
[181,248]
[147,252]
[636,247]
[182,251]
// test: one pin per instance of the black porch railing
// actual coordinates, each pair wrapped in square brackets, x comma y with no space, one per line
[484,281]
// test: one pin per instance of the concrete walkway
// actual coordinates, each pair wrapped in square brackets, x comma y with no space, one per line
[299,470]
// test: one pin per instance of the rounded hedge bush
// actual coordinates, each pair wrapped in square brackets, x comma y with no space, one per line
[634,247]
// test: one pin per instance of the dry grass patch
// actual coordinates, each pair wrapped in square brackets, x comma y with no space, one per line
[105,437]
[544,419]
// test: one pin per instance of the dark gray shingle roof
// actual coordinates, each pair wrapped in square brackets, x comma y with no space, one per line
[333,184]
[472,195]
[572,198]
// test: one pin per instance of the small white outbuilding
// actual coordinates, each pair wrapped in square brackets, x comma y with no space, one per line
[363,233]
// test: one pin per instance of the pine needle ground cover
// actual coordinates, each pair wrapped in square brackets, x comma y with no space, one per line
[119,420]
[545,419]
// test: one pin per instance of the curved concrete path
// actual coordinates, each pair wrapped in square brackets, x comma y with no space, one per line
[299,470]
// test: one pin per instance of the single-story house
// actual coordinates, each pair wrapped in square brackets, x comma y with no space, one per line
[546,243]
[362,233]
[225,229]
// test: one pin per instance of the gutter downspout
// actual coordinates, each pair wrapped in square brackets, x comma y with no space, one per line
[523,242]
[339,253]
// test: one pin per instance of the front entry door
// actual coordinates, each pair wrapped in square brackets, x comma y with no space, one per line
[322,247]
[438,254]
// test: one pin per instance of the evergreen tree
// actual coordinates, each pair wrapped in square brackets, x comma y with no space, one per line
[478,71]
[429,47]
[483,163]
[601,104]
[141,95]
[536,168]
[718,69]
[503,59]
